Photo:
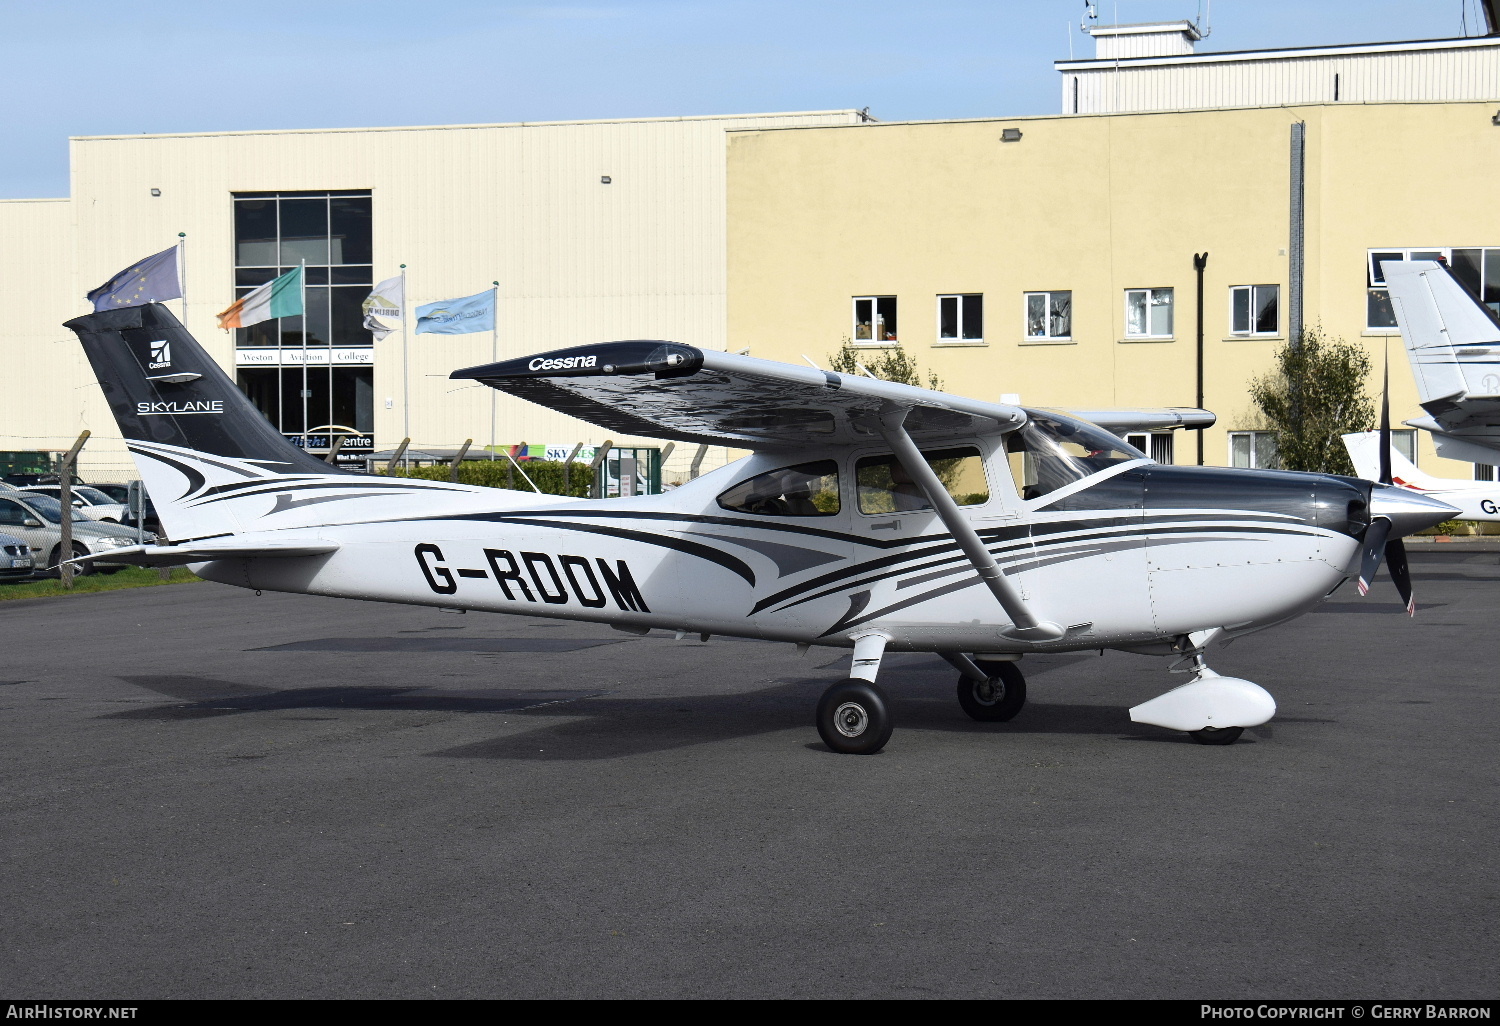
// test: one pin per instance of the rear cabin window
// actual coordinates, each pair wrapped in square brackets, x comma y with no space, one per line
[806,490]
[884,486]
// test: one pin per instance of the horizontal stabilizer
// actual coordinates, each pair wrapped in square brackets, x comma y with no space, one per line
[1123,421]
[668,390]
[239,547]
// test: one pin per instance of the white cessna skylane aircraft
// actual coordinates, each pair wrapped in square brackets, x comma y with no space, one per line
[871,516]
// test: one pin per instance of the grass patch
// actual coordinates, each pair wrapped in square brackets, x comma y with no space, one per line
[130,577]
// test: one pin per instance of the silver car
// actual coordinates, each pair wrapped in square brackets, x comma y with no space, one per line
[91,502]
[36,520]
[16,563]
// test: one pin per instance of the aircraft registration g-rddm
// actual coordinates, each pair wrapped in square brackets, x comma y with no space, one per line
[870,515]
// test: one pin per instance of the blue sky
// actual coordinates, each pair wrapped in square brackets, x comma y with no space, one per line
[81,67]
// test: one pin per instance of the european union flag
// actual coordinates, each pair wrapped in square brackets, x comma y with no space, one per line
[458,316]
[151,280]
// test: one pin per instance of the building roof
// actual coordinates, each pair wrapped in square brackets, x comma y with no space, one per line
[1282,53]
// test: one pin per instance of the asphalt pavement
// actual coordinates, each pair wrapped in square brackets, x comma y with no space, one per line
[212,794]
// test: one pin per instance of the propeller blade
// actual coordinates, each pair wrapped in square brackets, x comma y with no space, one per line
[1385,422]
[1375,536]
[1395,562]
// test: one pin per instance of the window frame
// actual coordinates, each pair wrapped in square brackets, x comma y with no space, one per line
[1253,435]
[960,339]
[1047,339]
[1250,331]
[1147,336]
[1445,253]
[874,300]
[851,493]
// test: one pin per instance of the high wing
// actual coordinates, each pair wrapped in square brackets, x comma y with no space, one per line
[668,390]
[1453,343]
[1122,422]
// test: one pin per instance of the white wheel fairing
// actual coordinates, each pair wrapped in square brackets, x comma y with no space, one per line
[1208,701]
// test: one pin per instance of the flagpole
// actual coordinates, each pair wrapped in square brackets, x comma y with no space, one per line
[495,355]
[182,274]
[405,359]
[302,283]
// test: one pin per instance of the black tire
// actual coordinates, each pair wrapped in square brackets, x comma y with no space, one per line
[1216,735]
[997,699]
[79,569]
[854,717]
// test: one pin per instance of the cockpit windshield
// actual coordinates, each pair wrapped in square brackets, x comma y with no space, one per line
[1054,450]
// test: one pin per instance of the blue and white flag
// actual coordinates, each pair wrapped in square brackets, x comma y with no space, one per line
[458,316]
[152,280]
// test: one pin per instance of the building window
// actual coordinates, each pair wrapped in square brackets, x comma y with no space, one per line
[1478,267]
[1157,445]
[1254,310]
[1148,313]
[1253,449]
[312,376]
[874,319]
[1404,441]
[1049,315]
[960,318]
[1484,472]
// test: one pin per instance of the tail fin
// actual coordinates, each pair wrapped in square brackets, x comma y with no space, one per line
[1452,339]
[193,433]
[1364,453]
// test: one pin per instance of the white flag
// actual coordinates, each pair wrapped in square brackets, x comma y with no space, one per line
[384,302]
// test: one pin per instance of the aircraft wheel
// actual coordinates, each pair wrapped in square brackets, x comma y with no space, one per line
[854,717]
[997,699]
[1216,735]
[79,569]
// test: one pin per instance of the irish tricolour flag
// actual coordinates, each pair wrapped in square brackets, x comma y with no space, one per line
[279,298]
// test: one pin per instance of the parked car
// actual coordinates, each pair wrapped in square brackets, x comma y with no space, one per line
[37,520]
[121,493]
[89,501]
[16,562]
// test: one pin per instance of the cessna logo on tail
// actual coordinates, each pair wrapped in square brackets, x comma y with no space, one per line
[161,355]
[167,409]
[566,363]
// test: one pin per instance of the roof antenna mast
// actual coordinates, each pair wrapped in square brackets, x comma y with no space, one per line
[1205,11]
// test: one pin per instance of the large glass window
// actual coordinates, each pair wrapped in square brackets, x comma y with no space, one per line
[1478,267]
[1049,315]
[806,490]
[961,318]
[1051,451]
[311,375]
[1254,309]
[1254,450]
[1148,313]
[874,319]
[885,487]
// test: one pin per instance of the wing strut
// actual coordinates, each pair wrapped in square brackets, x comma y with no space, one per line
[892,427]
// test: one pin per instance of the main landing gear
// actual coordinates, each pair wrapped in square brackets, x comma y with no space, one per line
[854,715]
[996,698]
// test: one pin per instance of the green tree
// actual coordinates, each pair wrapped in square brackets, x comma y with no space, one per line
[891,363]
[1315,394]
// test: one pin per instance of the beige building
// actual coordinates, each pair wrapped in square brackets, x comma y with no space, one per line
[1053,257]
[594,231]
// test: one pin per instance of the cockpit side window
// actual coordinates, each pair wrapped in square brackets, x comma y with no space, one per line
[884,486]
[806,490]
[1051,451]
